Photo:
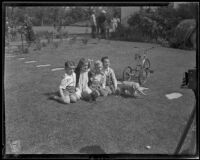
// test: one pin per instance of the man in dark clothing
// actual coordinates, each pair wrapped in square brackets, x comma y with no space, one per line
[101,23]
[93,24]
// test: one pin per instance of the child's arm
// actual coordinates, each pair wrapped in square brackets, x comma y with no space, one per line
[74,75]
[104,81]
[61,92]
[114,79]
[90,63]
[62,86]
[90,77]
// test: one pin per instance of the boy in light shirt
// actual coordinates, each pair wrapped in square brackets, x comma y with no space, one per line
[67,88]
[111,81]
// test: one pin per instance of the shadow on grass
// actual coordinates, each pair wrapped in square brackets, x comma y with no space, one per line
[130,96]
[94,149]
[51,95]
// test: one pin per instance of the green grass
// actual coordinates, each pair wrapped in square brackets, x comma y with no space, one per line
[115,124]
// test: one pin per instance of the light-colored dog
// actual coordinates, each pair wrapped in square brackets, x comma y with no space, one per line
[130,88]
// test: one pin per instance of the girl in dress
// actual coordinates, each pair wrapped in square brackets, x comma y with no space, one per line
[82,71]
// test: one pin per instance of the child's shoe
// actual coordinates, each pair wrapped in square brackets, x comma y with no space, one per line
[94,95]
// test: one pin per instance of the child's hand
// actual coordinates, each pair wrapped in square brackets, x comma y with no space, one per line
[92,79]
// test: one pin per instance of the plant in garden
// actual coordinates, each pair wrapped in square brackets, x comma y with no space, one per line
[84,40]
[38,45]
[65,34]
[49,36]
[159,25]
[28,30]
[44,44]
[23,49]
[56,44]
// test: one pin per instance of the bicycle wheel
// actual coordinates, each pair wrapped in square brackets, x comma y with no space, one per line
[127,73]
[142,78]
[146,64]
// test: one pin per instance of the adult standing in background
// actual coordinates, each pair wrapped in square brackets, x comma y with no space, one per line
[29,33]
[114,24]
[118,21]
[93,24]
[101,19]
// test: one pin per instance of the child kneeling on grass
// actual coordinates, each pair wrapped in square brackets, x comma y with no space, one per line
[111,81]
[98,80]
[82,78]
[67,88]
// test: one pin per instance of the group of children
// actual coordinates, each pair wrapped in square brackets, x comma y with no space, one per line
[84,82]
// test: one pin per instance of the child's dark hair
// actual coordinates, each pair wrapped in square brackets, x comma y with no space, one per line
[69,64]
[103,58]
[81,62]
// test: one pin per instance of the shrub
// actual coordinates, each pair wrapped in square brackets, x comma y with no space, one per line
[65,34]
[160,25]
[23,49]
[38,44]
[44,44]
[55,44]
[121,33]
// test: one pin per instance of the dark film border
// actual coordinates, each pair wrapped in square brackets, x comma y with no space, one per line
[92,156]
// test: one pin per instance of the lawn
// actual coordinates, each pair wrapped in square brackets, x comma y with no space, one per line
[113,124]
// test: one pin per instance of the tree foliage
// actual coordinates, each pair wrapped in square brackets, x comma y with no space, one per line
[161,23]
[48,15]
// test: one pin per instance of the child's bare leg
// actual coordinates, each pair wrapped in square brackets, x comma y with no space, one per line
[65,99]
[109,90]
[86,96]
[73,98]
[103,92]
[95,94]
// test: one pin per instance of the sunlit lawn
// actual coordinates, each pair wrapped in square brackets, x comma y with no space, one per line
[115,124]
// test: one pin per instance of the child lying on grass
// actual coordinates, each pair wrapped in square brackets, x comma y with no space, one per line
[130,89]
[67,88]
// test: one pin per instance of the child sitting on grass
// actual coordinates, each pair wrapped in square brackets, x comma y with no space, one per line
[111,81]
[82,78]
[98,80]
[67,88]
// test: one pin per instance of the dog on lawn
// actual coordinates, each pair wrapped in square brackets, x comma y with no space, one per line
[130,88]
